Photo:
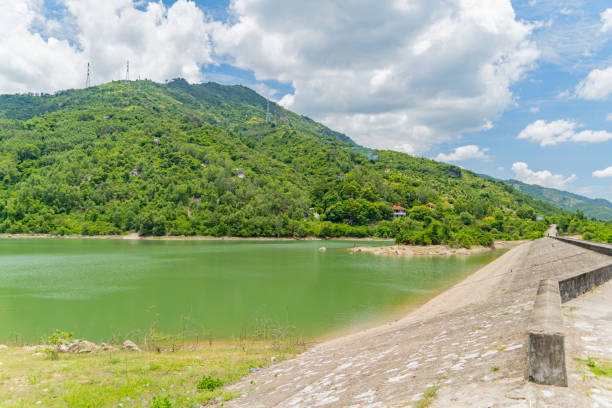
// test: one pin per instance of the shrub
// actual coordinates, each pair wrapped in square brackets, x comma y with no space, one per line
[209,383]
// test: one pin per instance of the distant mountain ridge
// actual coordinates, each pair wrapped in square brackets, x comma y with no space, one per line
[597,208]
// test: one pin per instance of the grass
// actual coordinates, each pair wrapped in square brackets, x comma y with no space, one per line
[185,377]
[495,368]
[428,397]
[600,370]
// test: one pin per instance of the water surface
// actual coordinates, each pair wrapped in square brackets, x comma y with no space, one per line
[100,288]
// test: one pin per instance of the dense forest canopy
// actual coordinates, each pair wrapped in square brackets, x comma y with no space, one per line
[181,159]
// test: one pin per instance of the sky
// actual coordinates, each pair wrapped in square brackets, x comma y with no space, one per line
[512,89]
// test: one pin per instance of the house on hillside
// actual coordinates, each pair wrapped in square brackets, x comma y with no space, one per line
[240,173]
[431,205]
[341,176]
[398,212]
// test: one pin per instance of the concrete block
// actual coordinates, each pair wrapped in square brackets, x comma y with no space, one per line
[546,337]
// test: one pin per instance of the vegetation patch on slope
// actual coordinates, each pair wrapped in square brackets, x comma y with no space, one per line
[181,159]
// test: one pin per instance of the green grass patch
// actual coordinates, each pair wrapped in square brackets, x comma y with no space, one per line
[428,397]
[187,377]
[600,370]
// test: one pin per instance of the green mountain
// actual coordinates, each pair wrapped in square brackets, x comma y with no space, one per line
[593,208]
[208,159]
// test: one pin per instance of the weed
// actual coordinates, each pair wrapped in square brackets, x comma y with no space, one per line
[209,383]
[231,395]
[495,368]
[479,328]
[52,354]
[161,403]
[34,378]
[428,397]
[600,370]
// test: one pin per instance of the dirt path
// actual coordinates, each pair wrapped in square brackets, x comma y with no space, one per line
[468,341]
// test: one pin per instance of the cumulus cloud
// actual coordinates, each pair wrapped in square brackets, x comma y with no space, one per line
[464,153]
[609,116]
[544,178]
[596,86]
[605,173]
[606,19]
[560,131]
[160,42]
[386,73]
[400,74]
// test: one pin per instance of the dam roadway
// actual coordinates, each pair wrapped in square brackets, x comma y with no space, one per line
[469,345]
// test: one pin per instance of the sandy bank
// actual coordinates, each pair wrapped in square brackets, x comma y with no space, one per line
[429,250]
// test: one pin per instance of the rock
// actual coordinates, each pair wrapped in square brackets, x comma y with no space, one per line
[80,346]
[3,346]
[107,347]
[322,249]
[130,346]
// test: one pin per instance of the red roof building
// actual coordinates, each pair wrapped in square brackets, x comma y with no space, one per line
[398,212]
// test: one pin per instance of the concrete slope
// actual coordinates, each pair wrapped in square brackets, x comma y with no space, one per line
[470,341]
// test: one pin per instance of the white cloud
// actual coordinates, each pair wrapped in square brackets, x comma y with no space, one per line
[605,173]
[606,19]
[560,131]
[464,153]
[400,74]
[386,73]
[596,86]
[161,43]
[544,178]
[609,116]
[534,109]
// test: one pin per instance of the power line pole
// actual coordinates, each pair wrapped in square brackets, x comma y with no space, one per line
[88,81]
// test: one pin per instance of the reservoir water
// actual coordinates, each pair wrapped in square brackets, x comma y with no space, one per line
[105,290]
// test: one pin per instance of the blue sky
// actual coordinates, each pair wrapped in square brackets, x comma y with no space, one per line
[434,78]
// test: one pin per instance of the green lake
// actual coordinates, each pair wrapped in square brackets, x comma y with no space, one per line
[103,288]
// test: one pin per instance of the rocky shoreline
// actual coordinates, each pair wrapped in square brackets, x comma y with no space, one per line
[77,346]
[432,250]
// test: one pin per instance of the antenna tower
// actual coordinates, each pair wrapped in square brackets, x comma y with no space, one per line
[127,71]
[88,81]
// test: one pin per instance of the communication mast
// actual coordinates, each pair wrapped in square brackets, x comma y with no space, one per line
[127,72]
[88,81]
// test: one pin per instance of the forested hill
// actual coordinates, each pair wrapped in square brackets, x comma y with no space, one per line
[595,208]
[180,159]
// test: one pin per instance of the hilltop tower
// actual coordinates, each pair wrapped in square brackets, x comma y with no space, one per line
[88,80]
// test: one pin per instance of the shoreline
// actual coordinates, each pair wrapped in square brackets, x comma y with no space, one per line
[433,250]
[136,237]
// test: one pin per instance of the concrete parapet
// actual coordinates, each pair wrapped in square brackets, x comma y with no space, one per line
[546,337]
[575,286]
[605,249]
